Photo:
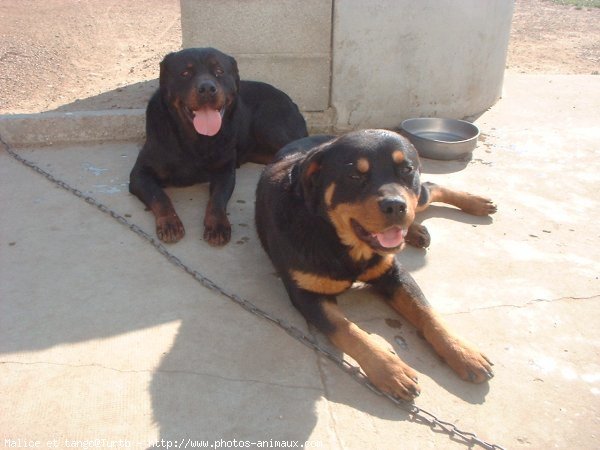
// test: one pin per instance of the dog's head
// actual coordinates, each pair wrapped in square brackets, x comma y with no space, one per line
[366,183]
[200,84]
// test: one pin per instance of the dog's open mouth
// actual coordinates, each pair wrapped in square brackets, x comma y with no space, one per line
[388,240]
[207,120]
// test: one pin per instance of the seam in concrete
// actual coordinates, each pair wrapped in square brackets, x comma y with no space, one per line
[524,305]
[331,54]
[167,372]
[327,394]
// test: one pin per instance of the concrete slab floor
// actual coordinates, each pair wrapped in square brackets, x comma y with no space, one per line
[102,338]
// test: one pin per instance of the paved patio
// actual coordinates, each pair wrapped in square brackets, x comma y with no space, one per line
[103,340]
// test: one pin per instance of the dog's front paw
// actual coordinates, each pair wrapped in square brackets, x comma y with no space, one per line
[479,206]
[217,231]
[218,235]
[467,361]
[389,373]
[169,228]
[418,236]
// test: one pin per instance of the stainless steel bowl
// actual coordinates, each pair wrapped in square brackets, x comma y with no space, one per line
[441,138]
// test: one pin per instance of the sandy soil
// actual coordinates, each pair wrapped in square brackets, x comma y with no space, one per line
[100,54]
[550,38]
[53,52]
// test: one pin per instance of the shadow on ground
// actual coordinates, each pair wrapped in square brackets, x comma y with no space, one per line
[132,96]
[201,387]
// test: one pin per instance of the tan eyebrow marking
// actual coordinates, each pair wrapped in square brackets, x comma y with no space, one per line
[362,165]
[398,156]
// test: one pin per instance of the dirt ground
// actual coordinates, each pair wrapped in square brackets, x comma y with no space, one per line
[57,53]
[551,38]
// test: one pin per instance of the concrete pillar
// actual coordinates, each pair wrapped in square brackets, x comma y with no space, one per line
[396,59]
[283,42]
[353,64]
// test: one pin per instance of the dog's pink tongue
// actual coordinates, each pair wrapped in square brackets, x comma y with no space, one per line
[207,121]
[390,238]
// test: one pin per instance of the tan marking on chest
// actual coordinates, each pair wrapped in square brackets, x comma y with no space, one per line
[320,284]
[377,270]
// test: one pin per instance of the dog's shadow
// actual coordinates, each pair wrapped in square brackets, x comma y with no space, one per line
[132,96]
[201,403]
[216,371]
[433,166]
[229,380]
[202,387]
[413,258]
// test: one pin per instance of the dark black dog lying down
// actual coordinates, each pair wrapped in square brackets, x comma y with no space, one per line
[201,124]
[332,211]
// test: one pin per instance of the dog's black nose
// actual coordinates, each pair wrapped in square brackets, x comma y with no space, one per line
[393,206]
[207,88]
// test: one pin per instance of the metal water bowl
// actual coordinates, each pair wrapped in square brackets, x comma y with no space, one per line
[444,139]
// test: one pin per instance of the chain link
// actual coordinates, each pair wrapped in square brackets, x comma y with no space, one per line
[417,414]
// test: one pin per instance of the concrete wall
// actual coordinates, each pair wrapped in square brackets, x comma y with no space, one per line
[395,59]
[363,63]
[284,42]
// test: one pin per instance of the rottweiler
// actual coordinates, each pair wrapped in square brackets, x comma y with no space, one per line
[334,211]
[201,124]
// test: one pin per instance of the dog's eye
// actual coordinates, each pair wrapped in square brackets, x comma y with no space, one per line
[219,72]
[407,170]
[186,73]
[359,177]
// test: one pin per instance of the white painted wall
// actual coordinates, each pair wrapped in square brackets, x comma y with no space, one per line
[364,63]
[283,42]
[395,59]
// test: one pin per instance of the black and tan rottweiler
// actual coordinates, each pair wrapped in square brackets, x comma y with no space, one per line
[201,124]
[332,211]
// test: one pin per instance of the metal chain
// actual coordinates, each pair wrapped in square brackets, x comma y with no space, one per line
[417,413]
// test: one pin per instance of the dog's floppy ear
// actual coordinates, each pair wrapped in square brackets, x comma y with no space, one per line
[423,195]
[235,72]
[307,179]
[162,78]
